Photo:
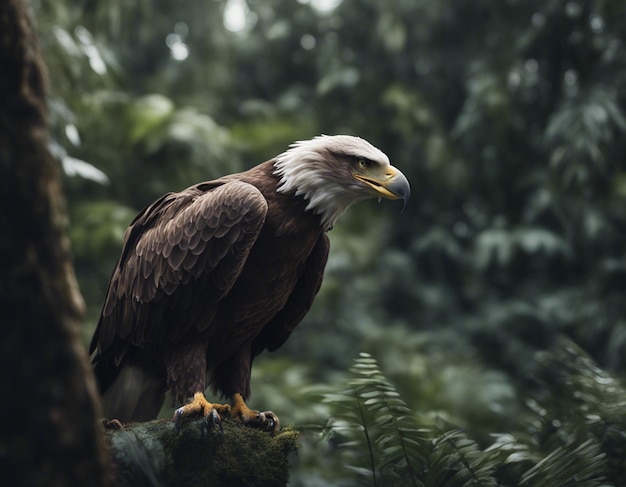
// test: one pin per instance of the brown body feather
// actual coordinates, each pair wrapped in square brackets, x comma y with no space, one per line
[208,279]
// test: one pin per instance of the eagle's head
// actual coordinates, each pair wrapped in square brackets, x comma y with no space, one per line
[333,172]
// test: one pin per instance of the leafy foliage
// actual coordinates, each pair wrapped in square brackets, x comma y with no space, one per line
[385,443]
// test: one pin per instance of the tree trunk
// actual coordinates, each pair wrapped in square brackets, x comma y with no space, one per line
[49,434]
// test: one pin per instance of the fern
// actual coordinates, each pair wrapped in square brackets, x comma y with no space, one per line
[375,418]
[574,433]
[458,461]
[399,451]
[581,466]
[582,424]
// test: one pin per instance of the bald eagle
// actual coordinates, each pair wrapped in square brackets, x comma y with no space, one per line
[210,277]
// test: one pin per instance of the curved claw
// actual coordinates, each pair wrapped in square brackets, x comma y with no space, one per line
[212,420]
[179,414]
[200,406]
[270,422]
[265,420]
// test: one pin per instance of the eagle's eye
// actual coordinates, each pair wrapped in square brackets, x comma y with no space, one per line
[364,163]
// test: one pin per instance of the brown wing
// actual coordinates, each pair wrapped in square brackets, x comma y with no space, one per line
[180,257]
[276,332]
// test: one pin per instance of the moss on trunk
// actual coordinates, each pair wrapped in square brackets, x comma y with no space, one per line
[153,454]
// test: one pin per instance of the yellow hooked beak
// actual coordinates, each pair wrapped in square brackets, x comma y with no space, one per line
[392,184]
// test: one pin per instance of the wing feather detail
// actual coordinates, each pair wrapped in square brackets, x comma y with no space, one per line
[278,330]
[183,253]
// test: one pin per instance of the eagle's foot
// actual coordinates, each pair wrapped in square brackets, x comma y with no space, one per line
[112,424]
[199,406]
[265,420]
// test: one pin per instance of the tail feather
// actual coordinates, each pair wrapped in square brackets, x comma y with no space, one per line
[134,395]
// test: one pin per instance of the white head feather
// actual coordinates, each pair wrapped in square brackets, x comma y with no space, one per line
[304,171]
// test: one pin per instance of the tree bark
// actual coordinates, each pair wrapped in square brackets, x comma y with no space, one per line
[49,434]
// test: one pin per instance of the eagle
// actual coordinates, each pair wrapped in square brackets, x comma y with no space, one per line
[211,276]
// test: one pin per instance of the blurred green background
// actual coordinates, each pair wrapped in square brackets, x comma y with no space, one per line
[508,118]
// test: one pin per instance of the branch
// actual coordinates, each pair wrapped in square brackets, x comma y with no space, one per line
[152,454]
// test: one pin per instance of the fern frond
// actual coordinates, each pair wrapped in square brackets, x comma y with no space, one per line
[582,466]
[390,436]
[397,435]
[458,461]
[576,436]
[398,450]
[582,426]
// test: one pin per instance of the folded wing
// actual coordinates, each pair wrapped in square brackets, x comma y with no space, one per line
[180,258]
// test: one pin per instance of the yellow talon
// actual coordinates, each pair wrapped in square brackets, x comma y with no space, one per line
[199,406]
[214,413]
[266,420]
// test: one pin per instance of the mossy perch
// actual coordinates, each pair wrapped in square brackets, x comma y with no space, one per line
[152,454]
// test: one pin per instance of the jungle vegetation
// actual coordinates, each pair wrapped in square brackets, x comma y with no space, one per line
[478,338]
